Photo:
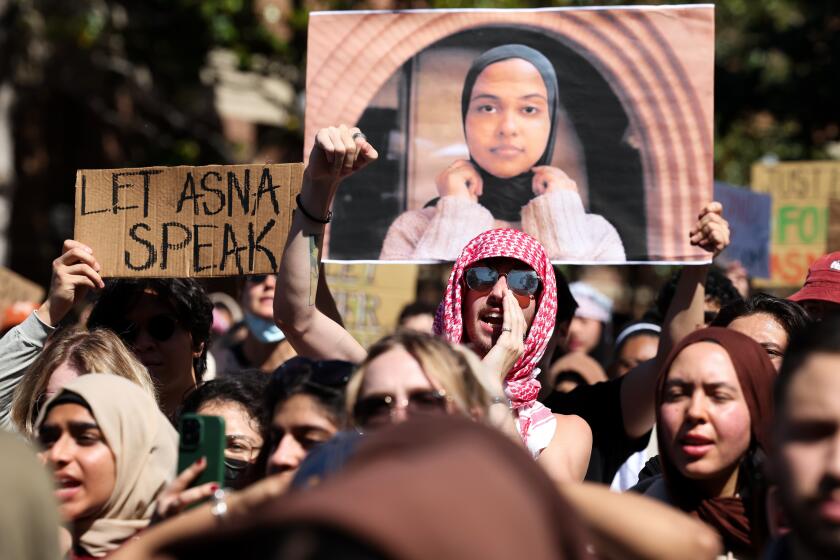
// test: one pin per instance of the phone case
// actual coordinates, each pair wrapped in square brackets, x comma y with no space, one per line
[202,436]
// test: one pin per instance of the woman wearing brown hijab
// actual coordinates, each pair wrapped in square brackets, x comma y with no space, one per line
[713,408]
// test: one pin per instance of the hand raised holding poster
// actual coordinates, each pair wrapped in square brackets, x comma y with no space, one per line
[186,221]
[338,154]
[73,274]
[588,128]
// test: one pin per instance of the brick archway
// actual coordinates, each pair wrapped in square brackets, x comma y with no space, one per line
[659,65]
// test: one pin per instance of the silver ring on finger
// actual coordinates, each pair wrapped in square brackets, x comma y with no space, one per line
[506,329]
[359,135]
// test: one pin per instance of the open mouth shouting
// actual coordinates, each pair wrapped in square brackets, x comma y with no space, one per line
[491,321]
[66,487]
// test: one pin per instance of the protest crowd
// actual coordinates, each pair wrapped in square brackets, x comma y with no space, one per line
[146,417]
[708,428]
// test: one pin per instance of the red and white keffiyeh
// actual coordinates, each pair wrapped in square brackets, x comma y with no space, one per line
[536,423]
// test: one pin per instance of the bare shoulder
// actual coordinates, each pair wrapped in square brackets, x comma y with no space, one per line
[572,425]
[567,456]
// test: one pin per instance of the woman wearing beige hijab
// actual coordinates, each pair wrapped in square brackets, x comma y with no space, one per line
[112,452]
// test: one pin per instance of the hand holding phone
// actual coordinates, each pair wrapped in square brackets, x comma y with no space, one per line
[200,465]
[202,437]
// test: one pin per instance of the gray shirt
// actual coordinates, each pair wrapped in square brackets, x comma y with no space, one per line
[18,349]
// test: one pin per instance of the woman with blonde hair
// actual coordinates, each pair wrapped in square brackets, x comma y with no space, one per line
[411,373]
[68,355]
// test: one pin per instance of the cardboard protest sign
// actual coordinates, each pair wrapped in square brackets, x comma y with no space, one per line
[748,214]
[480,115]
[187,221]
[833,239]
[800,192]
[14,288]
[370,297]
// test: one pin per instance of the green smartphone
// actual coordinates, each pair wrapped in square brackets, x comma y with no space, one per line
[202,436]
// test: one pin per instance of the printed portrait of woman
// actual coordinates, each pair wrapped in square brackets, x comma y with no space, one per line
[497,126]
[510,109]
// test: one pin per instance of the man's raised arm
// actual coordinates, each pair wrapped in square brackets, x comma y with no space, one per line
[338,152]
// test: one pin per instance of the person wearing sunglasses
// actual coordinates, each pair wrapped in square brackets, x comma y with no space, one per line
[166,322]
[413,375]
[507,329]
[264,346]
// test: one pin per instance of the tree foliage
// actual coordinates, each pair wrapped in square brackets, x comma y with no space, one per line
[103,83]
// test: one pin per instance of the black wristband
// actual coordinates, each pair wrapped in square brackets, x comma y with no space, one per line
[310,216]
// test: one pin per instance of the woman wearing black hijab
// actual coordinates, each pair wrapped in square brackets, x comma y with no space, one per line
[509,107]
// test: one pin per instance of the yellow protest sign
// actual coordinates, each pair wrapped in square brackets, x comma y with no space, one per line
[801,192]
[370,297]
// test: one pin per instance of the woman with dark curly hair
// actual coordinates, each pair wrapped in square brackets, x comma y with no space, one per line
[166,322]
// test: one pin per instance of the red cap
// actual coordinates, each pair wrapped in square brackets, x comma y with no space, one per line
[823,282]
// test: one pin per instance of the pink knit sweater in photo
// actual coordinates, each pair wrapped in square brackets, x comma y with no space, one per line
[558,220]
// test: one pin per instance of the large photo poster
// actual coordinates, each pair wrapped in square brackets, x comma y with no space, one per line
[589,128]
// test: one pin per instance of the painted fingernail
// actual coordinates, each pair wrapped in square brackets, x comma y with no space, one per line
[202,460]
[214,487]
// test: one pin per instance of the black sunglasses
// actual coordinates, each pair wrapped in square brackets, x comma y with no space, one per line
[256,278]
[483,278]
[327,376]
[377,410]
[160,327]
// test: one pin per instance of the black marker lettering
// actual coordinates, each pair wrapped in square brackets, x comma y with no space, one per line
[116,186]
[146,173]
[166,246]
[188,193]
[243,194]
[198,245]
[266,186]
[151,253]
[228,240]
[84,200]
[217,192]
[254,245]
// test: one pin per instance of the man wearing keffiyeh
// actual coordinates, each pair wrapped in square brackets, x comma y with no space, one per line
[512,338]
[508,330]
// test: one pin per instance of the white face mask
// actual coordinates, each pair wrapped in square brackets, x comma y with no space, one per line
[263,330]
